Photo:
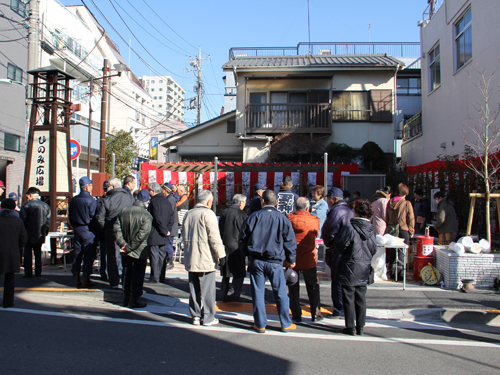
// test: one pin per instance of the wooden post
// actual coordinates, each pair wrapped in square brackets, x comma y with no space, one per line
[471,213]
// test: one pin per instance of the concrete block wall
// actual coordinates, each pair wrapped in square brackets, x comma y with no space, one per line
[483,268]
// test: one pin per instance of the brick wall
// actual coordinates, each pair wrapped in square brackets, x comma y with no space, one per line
[483,268]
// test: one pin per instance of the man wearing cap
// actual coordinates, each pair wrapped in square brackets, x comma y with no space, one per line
[15,198]
[116,200]
[168,264]
[174,190]
[131,229]
[163,220]
[36,217]
[337,216]
[256,202]
[286,197]
[268,239]
[81,212]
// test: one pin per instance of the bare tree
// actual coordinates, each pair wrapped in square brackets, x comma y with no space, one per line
[482,140]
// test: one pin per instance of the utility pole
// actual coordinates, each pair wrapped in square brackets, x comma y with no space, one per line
[33,37]
[104,116]
[196,64]
[91,104]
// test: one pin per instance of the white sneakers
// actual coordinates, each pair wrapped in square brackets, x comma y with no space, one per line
[197,322]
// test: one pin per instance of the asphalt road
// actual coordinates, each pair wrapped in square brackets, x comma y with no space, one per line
[81,335]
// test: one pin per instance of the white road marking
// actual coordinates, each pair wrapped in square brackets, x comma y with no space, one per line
[325,336]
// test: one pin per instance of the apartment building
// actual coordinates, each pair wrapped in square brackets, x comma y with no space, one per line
[167,98]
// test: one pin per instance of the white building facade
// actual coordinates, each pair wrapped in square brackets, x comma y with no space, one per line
[167,98]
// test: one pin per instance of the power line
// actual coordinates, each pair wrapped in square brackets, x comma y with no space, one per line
[161,19]
[13,40]
[159,32]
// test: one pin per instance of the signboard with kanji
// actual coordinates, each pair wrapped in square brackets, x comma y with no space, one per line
[39,173]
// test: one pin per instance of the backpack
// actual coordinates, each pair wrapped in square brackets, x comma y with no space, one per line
[393,229]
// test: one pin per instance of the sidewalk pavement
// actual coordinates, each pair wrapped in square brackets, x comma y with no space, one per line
[385,300]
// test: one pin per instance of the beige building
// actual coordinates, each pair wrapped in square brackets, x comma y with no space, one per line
[167,98]
[343,98]
[457,37]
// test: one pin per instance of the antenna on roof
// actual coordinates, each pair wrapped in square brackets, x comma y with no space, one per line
[309,27]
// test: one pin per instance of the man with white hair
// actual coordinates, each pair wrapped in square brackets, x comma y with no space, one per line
[203,250]
[116,200]
[230,222]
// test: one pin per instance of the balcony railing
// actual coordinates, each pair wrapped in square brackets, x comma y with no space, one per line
[392,49]
[431,9]
[413,127]
[282,118]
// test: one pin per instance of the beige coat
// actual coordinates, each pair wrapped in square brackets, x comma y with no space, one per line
[203,245]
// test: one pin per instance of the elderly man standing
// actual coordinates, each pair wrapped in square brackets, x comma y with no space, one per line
[168,263]
[203,250]
[36,217]
[163,220]
[116,200]
[338,216]
[230,222]
[256,202]
[267,238]
[306,228]
[129,183]
[81,212]
[286,197]
[131,229]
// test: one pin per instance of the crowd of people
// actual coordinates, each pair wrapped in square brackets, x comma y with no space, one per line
[274,237]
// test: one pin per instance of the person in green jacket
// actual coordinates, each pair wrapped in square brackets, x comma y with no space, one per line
[446,223]
[131,231]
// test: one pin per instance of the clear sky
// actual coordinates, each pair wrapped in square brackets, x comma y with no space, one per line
[177,28]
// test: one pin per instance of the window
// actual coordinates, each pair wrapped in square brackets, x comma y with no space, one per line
[409,86]
[350,106]
[231,127]
[160,97]
[14,73]
[11,142]
[463,40]
[160,89]
[152,89]
[19,7]
[154,97]
[152,81]
[434,69]
[161,81]
[159,105]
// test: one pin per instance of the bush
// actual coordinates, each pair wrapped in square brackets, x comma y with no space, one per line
[373,157]
[340,153]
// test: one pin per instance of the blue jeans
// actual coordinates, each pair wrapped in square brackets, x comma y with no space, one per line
[259,270]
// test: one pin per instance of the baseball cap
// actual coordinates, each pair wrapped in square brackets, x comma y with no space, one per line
[143,195]
[173,182]
[105,185]
[336,192]
[259,186]
[2,186]
[291,276]
[13,196]
[84,181]
[167,187]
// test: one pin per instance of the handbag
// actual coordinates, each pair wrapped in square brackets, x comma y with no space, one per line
[393,229]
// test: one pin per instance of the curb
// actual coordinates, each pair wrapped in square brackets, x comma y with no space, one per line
[482,317]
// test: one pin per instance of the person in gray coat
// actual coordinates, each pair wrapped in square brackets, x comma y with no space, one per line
[14,237]
[446,224]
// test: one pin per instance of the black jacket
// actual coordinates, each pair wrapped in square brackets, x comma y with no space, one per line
[36,217]
[175,227]
[132,227]
[230,222]
[255,204]
[336,217]
[161,211]
[116,200]
[356,244]
[14,237]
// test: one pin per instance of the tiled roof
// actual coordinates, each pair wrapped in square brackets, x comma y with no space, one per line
[312,61]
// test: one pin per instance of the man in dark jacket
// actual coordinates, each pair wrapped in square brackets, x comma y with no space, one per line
[256,202]
[286,197]
[131,229]
[268,239]
[129,183]
[168,263]
[101,234]
[163,221]
[116,200]
[356,244]
[81,212]
[36,217]
[14,237]
[337,217]
[230,222]
[422,211]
